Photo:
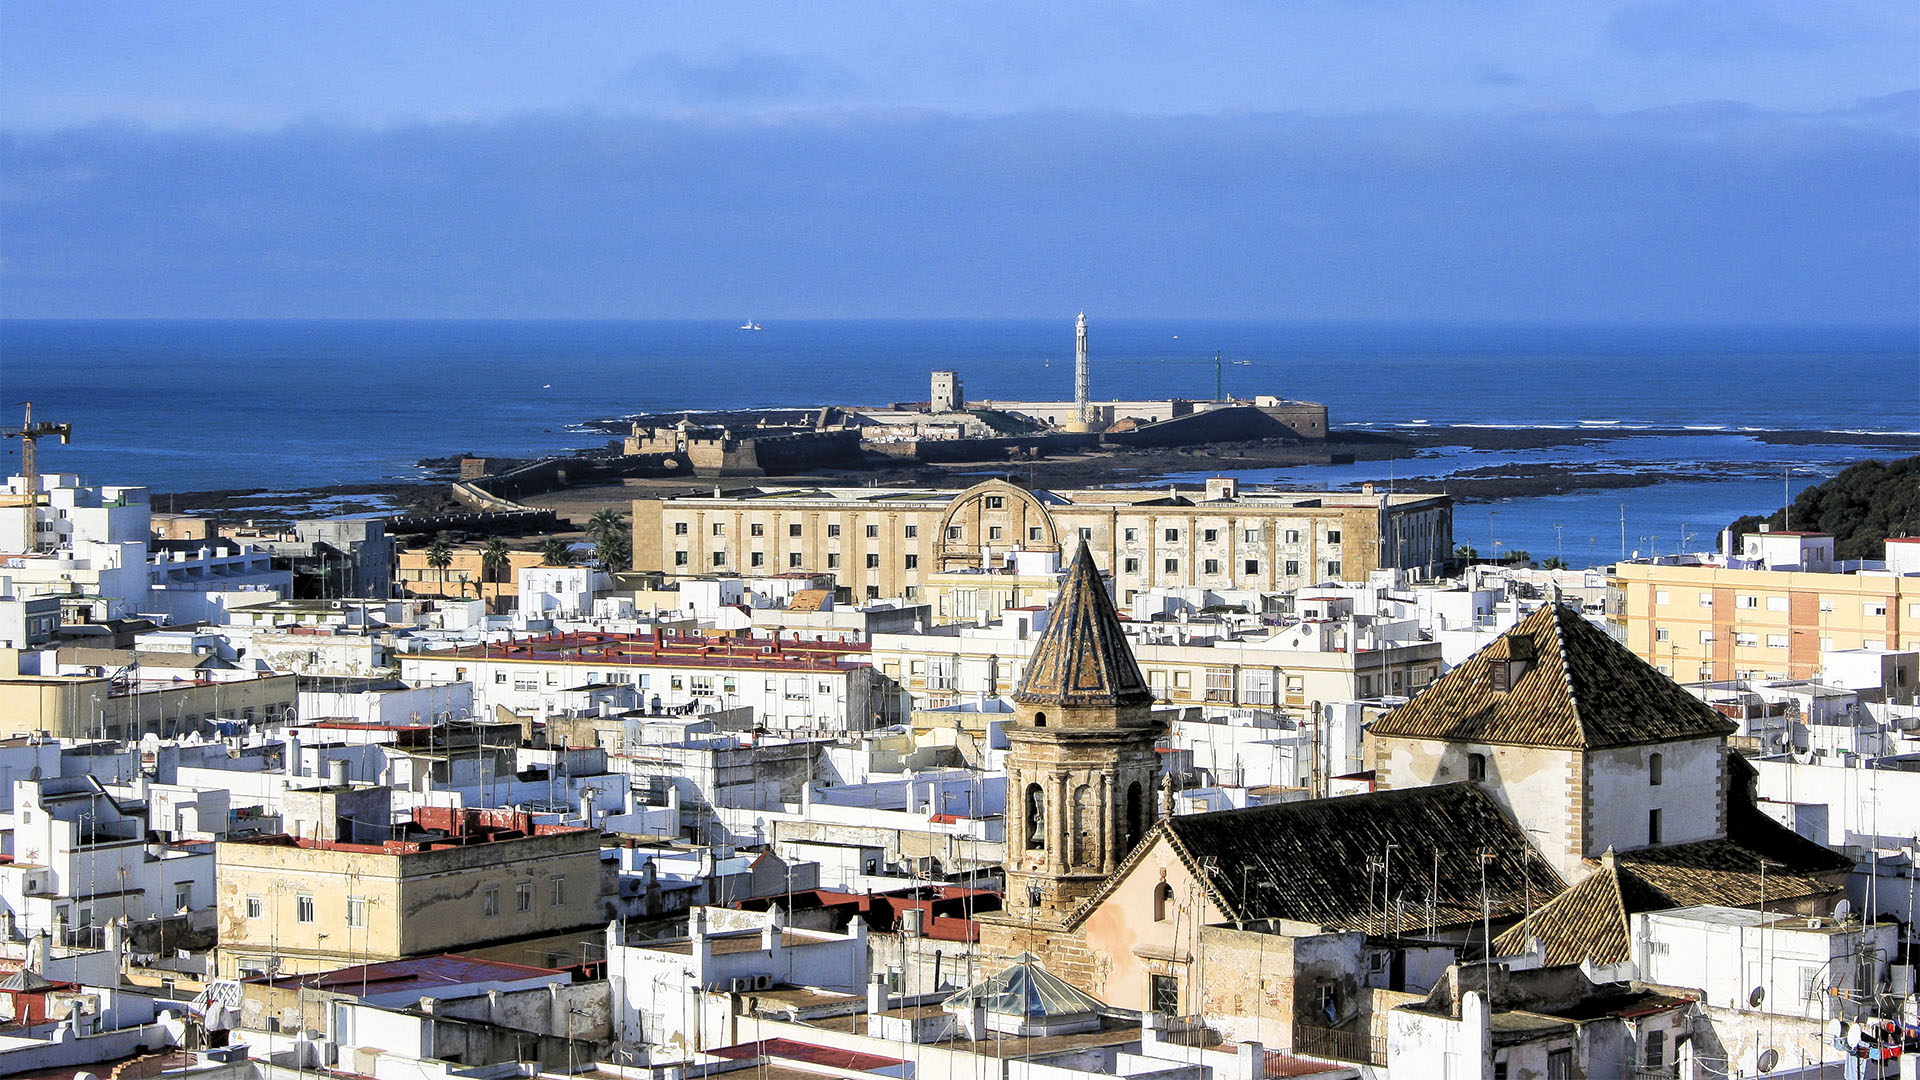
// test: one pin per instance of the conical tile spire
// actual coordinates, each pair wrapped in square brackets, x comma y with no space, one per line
[1082,658]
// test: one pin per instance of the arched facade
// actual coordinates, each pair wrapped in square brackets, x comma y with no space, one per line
[993,516]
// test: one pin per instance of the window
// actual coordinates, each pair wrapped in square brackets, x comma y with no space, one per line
[490,902]
[873,532]
[834,531]
[719,528]
[1333,568]
[182,895]
[1656,769]
[1256,687]
[1210,536]
[559,895]
[940,673]
[1706,637]
[793,529]
[1130,535]
[1662,596]
[1706,599]
[1777,603]
[357,912]
[996,502]
[793,559]
[1750,603]
[1476,766]
[1163,994]
[719,558]
[1219,684]
[757,529]
[1162,902]
[912,531]
[1874,609]
[1173,566]
[1251,566]
[1826,604]
[500,677]
[1251,536]
[1653,826]
[1333,536]
[1132,566]
[1293,536]
[954,532]
[993,532]
[1172,535]
[1656,1056]
[873,562]
[523,896]
[757,559]
[1085,534]
[1212,566]
[1560,1064]
[1746,640]
[1776,641]
[679,528]
[1293,568]
[1036,805]
[254,907]
[833,560]
[1183,680]
[303,908]
[1661,633]
[1499,1070]
[679,558]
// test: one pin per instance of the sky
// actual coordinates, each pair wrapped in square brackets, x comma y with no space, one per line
[1705,161]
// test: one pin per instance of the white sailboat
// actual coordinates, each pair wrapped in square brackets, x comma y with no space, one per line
[751,325]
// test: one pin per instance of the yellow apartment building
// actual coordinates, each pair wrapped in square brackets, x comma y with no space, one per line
[1763,617]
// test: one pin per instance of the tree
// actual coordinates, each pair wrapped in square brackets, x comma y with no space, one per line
[613,552]
[556,552]
[439,557]
[494,561]
[605,522]
[1862,506]
[1466,552]
[1554,563]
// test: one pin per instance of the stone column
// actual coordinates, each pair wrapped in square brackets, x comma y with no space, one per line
[1062,823]
[1109,825]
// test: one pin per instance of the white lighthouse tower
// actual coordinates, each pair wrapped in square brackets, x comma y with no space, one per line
[1082,414]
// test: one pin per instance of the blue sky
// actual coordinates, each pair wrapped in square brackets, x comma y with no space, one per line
[1704,161]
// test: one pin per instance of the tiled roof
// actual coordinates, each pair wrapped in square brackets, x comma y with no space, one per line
[1322,860]
[1082,657]
[1592,920]
[1025,988]
[1580,690]
[1588,921]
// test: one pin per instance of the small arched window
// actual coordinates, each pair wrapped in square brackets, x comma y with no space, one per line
[1036,818]
[1136,814]
[1656,769]
[1476,766]
[1162,902]
[1039,719]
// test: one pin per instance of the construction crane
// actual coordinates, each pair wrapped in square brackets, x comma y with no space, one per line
[30,434]
[1219,370]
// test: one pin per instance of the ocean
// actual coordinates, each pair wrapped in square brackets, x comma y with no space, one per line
[289,405]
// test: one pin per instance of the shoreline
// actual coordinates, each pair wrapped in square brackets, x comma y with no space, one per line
[1099,468]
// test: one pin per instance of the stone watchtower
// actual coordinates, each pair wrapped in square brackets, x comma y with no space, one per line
[1081,764]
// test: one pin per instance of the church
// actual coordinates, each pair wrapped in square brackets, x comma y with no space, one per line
[1549,787]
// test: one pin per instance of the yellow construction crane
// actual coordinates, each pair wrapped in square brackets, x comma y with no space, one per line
[30,434]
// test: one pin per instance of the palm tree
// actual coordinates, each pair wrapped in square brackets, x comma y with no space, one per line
[612,551]
[556,552]
[440,556]
[494,561]
[605,522]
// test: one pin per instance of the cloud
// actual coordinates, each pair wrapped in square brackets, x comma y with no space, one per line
[1714,214]
[750,78]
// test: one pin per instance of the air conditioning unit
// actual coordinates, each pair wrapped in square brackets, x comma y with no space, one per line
[740,984]
[763,982]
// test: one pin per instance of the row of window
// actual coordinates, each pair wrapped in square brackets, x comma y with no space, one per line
[1873,609]
[303,905]
[1250,567]
[681,528]
[1745,640]
[795,561]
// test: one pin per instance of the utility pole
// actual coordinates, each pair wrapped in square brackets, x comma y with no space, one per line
[30,434]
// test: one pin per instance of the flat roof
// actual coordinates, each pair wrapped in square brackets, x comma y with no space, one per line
[435,974]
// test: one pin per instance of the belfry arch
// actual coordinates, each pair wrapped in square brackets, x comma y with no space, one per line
[979,511]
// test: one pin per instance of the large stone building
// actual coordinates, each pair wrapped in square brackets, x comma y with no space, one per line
[885,541]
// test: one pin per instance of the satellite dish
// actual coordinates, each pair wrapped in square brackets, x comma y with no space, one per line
[1769,1060]
[1759,995]
[1843,910]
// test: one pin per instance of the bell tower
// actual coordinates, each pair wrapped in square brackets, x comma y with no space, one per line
[1081,764]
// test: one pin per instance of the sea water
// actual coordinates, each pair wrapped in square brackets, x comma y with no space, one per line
[296,404]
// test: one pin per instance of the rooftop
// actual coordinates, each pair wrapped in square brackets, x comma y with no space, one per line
[427,974]
[689,649]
